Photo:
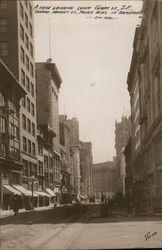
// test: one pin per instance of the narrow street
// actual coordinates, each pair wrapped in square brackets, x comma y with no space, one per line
[81,227]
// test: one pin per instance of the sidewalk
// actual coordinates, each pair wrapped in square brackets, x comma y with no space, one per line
[6,213]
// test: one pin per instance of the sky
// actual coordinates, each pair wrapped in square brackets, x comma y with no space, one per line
[93,57]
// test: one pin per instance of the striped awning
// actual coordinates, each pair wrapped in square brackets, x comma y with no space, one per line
[24,191]
[10,189]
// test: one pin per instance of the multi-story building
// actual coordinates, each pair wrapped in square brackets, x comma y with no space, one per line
[75,146]
[48,84]
[122,134]
[145,88]
[104,179]
[67,166]
[86,163]
[17,52]
[10,159]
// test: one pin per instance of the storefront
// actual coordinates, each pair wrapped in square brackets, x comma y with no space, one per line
[27,197]
[8,195]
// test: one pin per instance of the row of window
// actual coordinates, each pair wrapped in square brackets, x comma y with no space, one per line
[26,41]
[26,83]
[28,146]
[24,16]
[29,169]
[27,104]
[28,125]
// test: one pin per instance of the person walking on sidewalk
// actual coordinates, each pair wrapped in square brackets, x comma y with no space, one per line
[16,204]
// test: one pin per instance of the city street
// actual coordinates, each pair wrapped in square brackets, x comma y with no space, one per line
[79,228]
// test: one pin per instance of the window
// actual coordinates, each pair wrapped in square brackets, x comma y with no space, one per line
[33,129]
[40,167]
[28,125]
[27,84]
[33,148]
[3,48]
[22,77]
[25,168]
[2,125]
[24,144]
[30,169]
[27,62]
[29,147]
[3,25]
[22,55]
[31,49]
[28,104]
[21,32]
[31,69]
[32,89]
[23,102]
[26,20]
[3,149]
[26,41]
[40,148]
[32,109]
[23,121]
[45,162]
[21,11]
[30,29]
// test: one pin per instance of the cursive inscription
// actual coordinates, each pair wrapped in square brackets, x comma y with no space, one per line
[149,235]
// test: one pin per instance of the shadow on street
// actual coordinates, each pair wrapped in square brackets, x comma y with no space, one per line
[73,214]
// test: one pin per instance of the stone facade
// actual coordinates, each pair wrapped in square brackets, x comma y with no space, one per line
[145,81]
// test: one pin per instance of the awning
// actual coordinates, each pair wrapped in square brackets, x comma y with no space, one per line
[25,191]
[9,189]
[82,197]
[42,193]
[50,192]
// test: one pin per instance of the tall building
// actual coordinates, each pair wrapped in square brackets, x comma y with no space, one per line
[86,164]
[122,134]
[10,158]
[74,141]
[67,166]
[17,52]
[104,179]
[145,88]
[48,84]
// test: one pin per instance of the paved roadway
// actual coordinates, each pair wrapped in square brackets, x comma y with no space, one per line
[49,230]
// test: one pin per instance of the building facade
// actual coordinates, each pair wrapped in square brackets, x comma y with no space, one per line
[10,158]
[67,161]
[75,146]
[104,179]
[17,52]
[146,73]
[86,164]
[48,84]
[122,134]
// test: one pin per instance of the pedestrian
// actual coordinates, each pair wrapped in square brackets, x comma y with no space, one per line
[110,206]
[16,204]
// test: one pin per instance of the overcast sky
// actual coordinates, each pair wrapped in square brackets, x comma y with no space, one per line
[93,58]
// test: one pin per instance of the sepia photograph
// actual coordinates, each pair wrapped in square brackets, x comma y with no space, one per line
[80,124]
